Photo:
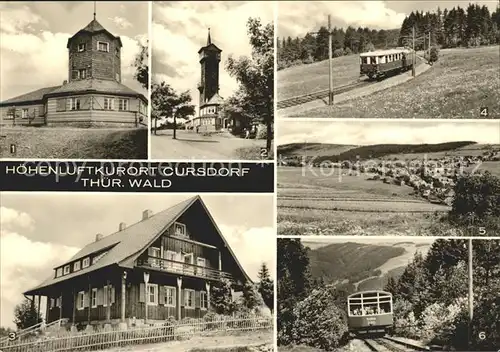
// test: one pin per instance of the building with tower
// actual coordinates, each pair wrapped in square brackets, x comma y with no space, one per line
[93,94]
[209,118]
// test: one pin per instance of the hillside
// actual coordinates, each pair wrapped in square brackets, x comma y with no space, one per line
[336,153]
[356,266]
[313,149]
[353,261]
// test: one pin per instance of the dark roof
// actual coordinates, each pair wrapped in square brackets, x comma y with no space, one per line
[34,96]
[94,27]
[125,246]
[95,85]
[210,47]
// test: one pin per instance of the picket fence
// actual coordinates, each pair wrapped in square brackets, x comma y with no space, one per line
[169,331]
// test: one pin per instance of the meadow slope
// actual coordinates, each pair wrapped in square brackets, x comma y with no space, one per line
[457,86]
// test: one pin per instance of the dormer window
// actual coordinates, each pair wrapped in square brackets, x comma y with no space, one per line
[76,266]
[59,272]
[81,47]
[103,46]
[86,263]
[180,229]
[66,270]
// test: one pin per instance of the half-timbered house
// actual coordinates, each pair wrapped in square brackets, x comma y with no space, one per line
[160,267]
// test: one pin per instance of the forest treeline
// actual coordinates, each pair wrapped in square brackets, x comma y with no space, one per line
[430,298]
[457,27]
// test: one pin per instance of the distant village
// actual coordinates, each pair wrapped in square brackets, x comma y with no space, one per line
[432,179]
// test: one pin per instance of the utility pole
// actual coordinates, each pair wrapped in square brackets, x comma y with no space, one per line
[414,54]
[330,62]
[471,291]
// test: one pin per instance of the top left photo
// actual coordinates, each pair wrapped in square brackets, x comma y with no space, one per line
[74,80]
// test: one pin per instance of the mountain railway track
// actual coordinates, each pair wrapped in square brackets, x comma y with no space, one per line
[390,344]
[322,94]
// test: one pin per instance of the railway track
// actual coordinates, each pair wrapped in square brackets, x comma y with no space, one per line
[390,344]
[322,94]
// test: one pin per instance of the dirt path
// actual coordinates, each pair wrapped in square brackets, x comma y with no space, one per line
[193,146]
[343,99]
[241,340]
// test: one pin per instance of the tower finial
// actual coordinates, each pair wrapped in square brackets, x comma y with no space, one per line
[209,40]
[95,5]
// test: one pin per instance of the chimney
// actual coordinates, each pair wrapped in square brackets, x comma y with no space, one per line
[122,226]
[65,82]
[98,237]
[146,214]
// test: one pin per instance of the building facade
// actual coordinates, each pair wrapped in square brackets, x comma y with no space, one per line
[93,94]
[209,118]
[163,266]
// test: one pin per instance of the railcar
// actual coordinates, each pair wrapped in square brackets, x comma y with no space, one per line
[370,313]
[377,64]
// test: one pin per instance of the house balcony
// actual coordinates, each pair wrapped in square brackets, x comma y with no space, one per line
[180,268]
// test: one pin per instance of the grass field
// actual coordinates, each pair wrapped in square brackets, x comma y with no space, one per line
[72,143]
[320,205]
[291,82]
[457,86]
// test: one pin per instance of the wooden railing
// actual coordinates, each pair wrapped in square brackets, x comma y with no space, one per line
[168,331]
[183,268]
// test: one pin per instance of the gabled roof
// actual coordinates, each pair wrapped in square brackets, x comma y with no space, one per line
[216,99]
[124,247]
[34,96]
[95,85]
[94,27]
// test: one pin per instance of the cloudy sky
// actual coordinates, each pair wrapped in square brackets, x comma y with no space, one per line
[387,132]
[48,228]
[180,29]
[33,38]
[298,18]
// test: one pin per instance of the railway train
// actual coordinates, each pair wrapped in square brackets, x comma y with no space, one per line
[370,313]
[377,64]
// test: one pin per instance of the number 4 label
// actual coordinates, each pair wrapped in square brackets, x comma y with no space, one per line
[483,112]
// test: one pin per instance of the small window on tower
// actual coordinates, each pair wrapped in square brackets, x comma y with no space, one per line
[117,76]
[103,46]
[117,52]
[82,74]
[81,47]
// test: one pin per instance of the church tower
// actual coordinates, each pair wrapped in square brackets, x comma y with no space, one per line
[209,61]
[94,53]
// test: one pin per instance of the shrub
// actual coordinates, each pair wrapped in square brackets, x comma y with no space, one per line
[434,54]
[261,131]
[347,51]
[338,53]
[318,321]
[437,321]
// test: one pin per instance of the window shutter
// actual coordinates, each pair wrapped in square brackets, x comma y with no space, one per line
[68,104]
[85,103]
[78,300]
[100,296]
[61,104]
[174,296]
[112,294]
[142,292]
[183,298]
[85,300]
[163,295]
[197,298]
